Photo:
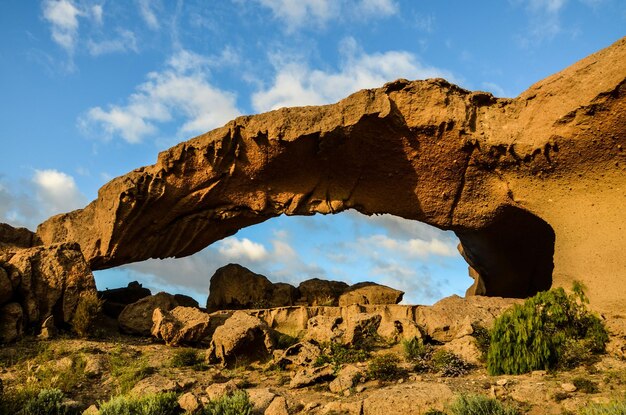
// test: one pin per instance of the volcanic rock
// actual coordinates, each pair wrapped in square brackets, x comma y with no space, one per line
[117,298]
[241,337]
[181,325]
[533,186]
[317,292]
[235,287]
[136,318]
[370,293]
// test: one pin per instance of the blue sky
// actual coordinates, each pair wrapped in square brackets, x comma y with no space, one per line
[90,89]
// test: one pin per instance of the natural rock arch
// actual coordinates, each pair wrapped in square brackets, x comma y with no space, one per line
[501,173]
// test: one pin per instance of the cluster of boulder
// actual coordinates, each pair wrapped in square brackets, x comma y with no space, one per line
[38,283]
[235,287]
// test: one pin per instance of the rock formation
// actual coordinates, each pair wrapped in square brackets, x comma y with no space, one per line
[533,186]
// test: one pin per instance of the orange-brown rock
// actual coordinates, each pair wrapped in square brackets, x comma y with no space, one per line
[534,186]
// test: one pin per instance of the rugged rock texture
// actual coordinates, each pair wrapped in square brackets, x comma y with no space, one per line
[136,318]
[117,298]
[235,287]
[317,292]
[370,293]
[506,175]
[182,325]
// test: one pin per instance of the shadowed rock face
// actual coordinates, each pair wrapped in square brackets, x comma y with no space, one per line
[533,186]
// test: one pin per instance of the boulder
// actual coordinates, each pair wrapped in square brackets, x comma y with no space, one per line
[49,281]
[346,378]
[394,330]
[117,298]
[283,295]
[304,353]
[6,288]
[453,317]
[11,322]
[370,293]
[408,399]
[236,287]
[278,406]
[189,403]
[216,390]
[136,318]
[13,239]
[310,375]
[317,292]
[260,398]
[181,325]
[242,337]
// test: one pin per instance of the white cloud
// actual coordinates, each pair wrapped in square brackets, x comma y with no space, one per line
[301,13]
[63,17]
[297,84]
[180,92]
[238,249]
[57,192]
[125,41]
[147,14]
[96,13]
[410,248]
[47,193]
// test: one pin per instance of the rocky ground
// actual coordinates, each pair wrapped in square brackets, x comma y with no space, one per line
[304,375]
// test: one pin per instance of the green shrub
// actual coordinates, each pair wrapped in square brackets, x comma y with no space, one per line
[88,308]
[158,404]
[483,340]
[238,403]
[385,367]
[186,357]
[585,385]
[285,341]
[338,354]
[128,368]
[47,402]
[449,364]
[480,405]
[535,335]
[611,408]
[415,350]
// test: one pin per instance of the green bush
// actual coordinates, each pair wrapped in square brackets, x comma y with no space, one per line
[338,354]
[415,350]
[536,334]
[88,308]
[186,357]
[611,408]
[449,364]
[158,404]
[480,405]
[238,403]
[47,402]
[385,367]
[284,341]
[483,340]
[585,385]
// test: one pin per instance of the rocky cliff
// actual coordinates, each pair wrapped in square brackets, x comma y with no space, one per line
[533,186]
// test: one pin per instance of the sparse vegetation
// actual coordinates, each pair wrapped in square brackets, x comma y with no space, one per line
[338,354]
[415,350]
[385,367]
[87,311]
[480,405]
[585,385]
[158,404]
[128,368]
[448,364]
[47,402]
[238,403]
[284,341]
[188,357]
[537,334]
[611,408]
[483,340]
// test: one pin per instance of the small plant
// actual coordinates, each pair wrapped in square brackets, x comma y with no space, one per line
[560,396]
[127,369]
[536,334]
[480,405]
[158,404]
[238,403]
[585,385]
[483,340]
[338,354]
[186,357]
[611,408]
[285,341]
[88,308]
[449,364]
[415,350]
[47,402]
[385,367]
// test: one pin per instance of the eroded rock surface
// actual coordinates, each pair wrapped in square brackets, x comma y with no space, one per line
[505,174]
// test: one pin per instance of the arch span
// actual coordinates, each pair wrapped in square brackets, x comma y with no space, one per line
[484,167]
